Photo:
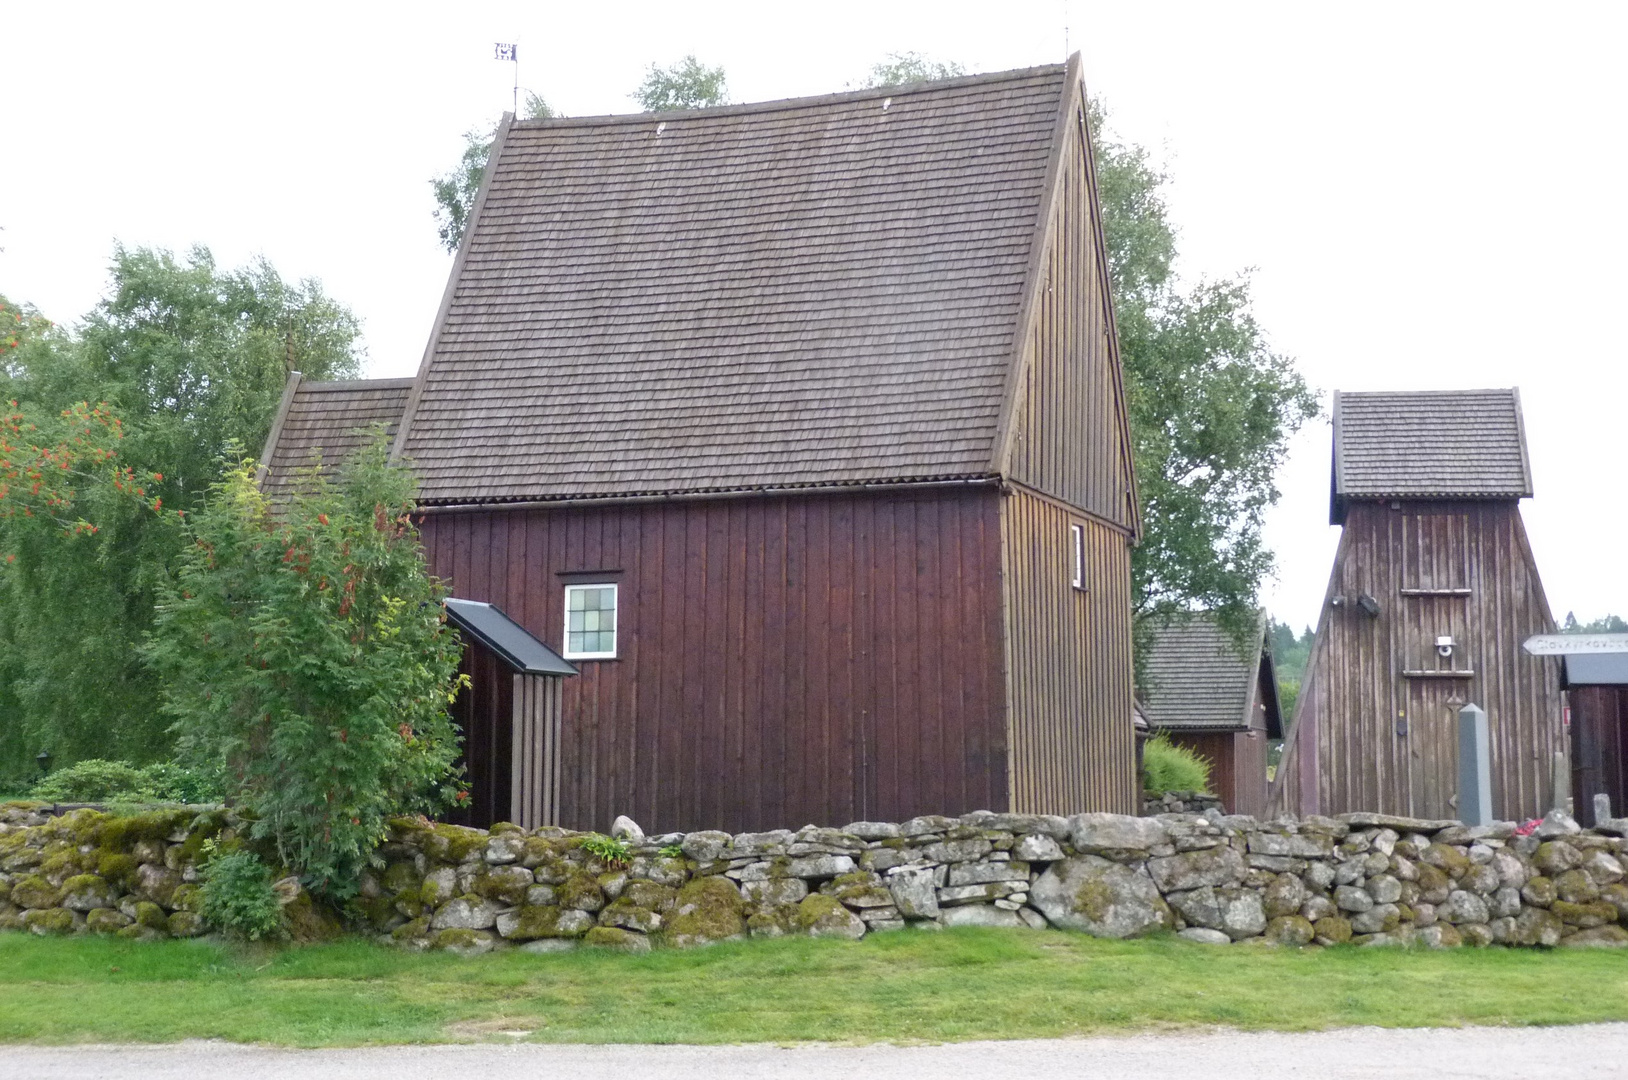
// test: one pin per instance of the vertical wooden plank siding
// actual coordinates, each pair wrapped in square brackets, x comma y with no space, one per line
[1066,438]
[485,714]
[1382,701]
[534,773]
[1599,739]
[1068,662]
[823,658]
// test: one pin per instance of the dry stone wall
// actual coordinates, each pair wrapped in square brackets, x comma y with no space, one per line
[1359,878]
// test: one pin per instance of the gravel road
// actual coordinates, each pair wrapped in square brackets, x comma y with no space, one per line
[1593,1050]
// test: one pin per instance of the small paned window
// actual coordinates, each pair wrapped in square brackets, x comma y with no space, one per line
[1077,534]
[590,622]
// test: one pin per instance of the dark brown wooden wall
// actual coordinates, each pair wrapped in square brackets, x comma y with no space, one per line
[484,711]
[1068,657]
[1237,766]
[1386,740]
[1067,437]
[1599,741]
[824,658]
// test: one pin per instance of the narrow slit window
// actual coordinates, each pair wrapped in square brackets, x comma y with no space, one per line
[1077,534]
[590,622]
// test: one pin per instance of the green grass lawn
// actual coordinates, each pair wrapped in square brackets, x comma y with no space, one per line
[962,984]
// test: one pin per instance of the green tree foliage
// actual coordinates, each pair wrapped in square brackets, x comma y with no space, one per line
[902,69]
[188,358]
[1212,406]
[456,189]
[1610,624]
[688,84]
[306,661]
[1289,657]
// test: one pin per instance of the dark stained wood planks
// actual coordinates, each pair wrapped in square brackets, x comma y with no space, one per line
[1599,742]
[764,674]
[1378,701]
[1068,661]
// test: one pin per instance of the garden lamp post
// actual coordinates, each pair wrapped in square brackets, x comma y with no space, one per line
[44,760]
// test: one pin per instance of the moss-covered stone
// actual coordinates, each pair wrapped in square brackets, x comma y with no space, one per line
[610,937]
[505,884]
[705,910]
[378,912]
[86,892]
[1478,935]
[185,924]
[1617,896]
[34,891]
[533,922]
[1539,891]
[465,942]
[411,930]
[106,920]
[581,891]
[441,842]
[1291,930]
[657,898]
[825,916]
[1603,937]
[1434,884]
[49,920]
[775,921]
[187,898]
[1584,916]
[117,869]
[310,921]
[1448,859]
[152,916]
[1576,887]
[399,877]
[122,832]
[630,916]
[138,932]
[1332,930]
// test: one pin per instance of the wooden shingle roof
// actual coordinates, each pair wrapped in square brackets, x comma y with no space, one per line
[333,417]
[1452,444]
[817,291]
[1198,680]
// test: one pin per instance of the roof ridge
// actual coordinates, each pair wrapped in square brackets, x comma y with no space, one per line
[395,383]
[782,104]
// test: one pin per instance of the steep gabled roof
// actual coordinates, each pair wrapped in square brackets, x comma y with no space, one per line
[1197,679]
[1450,444]
[333,417]
[807,292]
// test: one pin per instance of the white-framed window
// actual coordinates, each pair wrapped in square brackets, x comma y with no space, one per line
[1077,534]
[590,622]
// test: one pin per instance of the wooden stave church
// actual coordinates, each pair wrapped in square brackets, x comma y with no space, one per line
[929,612]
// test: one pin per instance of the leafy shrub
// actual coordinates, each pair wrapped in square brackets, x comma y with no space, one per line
[607,850]
[94,780]
[98,781]
[237,898]
[1168,767]
[307,661]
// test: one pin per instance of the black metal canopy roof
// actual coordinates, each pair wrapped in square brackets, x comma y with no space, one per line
[512,642]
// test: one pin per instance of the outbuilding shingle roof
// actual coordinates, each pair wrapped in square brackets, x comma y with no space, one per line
[1451,444]
[333,417]
[805,292]
[1197,678]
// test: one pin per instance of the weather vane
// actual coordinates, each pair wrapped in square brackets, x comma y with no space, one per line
[511,53]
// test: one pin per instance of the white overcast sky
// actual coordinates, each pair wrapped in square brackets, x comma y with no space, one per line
[1431,194]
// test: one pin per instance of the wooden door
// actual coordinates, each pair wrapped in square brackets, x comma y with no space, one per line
[1433,604]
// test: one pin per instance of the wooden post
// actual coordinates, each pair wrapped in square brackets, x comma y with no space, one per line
[1474,767]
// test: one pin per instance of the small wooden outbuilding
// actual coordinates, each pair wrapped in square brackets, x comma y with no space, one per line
[1594,675]
[1217,701]
[1434,589]
[800,428]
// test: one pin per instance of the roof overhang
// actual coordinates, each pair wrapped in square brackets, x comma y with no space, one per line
[507,639]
